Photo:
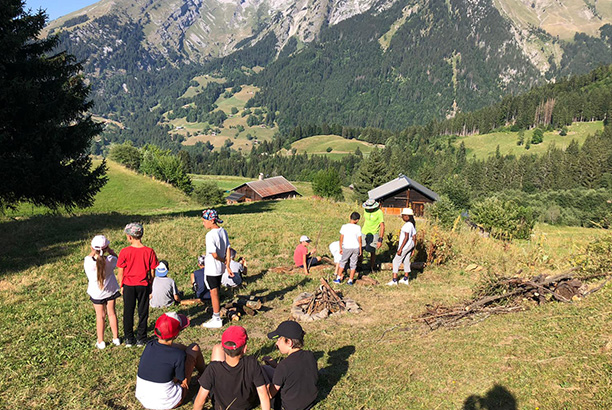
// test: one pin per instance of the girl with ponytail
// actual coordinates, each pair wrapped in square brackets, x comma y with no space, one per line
[103,288]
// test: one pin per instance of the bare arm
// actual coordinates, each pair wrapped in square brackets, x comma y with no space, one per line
[228,259]
[273,389]
[381,235]
[198,403]
[341,241]
[401,247]
[304,264]
[120,278]
[264,399]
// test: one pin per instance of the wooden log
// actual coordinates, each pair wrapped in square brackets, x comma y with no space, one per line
[334,295]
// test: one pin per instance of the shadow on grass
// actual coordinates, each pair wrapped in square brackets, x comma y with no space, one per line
[498,398]
[337,366]
[280,294]
[46,239]
[114,406]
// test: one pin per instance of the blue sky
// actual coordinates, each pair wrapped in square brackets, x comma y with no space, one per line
[58,8]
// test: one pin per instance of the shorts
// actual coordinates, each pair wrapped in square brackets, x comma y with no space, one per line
[212,282]
[310,262]
[369,242]
[103,301]
[349,255]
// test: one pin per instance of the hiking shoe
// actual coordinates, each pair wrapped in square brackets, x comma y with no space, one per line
[392,283]
[129,343]
[141,343]
[349,282]
[117,342]
[213,323]
[101,345]
[338,281]
[404,281]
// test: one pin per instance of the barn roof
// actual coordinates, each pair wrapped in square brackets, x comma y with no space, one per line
[270,186]
[399,183]
[235,196]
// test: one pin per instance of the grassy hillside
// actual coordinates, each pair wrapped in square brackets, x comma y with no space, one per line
[485,145]
[340,146]
[553,356]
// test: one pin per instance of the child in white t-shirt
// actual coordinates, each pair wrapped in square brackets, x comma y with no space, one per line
[350,247]
[103,288]
[217,261]
[405,247]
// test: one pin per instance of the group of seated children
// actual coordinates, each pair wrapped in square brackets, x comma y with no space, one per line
[232,380]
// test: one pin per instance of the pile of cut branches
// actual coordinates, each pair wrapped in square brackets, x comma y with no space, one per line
[515,292]
[322,303]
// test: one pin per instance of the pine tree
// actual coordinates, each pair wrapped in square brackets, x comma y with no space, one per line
[372,172]
[44,130]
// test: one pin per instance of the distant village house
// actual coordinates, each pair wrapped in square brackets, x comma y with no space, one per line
[402,192]
[263,189]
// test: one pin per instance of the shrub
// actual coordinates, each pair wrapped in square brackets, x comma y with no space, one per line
[538,136]
[327,183]
[208,194]
[234,110]
[443,212]
[126,154]
[504,220]
[596,258]
[433,246]
[329,149]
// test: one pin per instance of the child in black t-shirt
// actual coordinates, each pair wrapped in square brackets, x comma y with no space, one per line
[165,366]
[232,380]
[295,377]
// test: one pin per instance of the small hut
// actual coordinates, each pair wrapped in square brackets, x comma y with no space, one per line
[402,192]
[263,189]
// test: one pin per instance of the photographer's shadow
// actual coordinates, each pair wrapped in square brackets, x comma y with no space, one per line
[337,367]
[497,398]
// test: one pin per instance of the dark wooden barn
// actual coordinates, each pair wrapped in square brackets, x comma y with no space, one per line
[263,189]
[402,192]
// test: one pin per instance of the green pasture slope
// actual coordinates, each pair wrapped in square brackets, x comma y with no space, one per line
[485,145]
[554,356]
[340,146]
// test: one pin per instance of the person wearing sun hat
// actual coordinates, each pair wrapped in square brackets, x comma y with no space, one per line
[217,261]
[233,380]
[405,247]
[165,367]
[373,230]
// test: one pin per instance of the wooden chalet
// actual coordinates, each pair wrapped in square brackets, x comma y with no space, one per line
[402,192]
[263,189]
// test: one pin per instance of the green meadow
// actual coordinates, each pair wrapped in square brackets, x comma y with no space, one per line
[340,146]
[553,356]
[485,145]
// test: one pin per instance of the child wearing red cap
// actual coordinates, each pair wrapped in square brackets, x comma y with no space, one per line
[233,380]
[165,366]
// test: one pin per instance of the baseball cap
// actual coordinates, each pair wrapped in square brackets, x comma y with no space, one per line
[134,229]
[99,242]
[235,334]
[162,269]
[211,215]
[288,329]
[170,324]
[304,238]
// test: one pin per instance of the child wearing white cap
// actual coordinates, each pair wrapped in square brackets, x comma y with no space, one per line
[405,247]
[302,258]
[103,288]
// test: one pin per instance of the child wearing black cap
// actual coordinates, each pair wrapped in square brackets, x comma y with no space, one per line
[232,380]
[165,366]
[295,378]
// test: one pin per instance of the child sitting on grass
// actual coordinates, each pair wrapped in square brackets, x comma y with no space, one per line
[294,381]
[165,366]
[232,380]
[164,291]
[103,288]
[238,268]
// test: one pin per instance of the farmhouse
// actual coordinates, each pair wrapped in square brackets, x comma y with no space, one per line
[263,189]
[402,192]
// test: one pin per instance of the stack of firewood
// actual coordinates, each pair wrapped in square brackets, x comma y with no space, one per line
[241,306]
[540,289]
[322,303]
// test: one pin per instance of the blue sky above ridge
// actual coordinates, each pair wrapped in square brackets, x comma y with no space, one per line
[58,8]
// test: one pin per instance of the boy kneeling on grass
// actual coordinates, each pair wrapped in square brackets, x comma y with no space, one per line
[294,379]
[165,366]
[232,380]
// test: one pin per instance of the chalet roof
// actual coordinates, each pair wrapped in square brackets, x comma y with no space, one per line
[235,196]
[399,183]
[270,186]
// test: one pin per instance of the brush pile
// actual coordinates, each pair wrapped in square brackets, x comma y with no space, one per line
[508,295]
[319,305]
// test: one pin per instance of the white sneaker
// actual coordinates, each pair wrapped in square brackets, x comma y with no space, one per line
[213,323]
[404,281]
[117,342]
[101,345]
[392,283]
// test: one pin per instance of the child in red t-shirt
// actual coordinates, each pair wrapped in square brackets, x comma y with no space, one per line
[135,274]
